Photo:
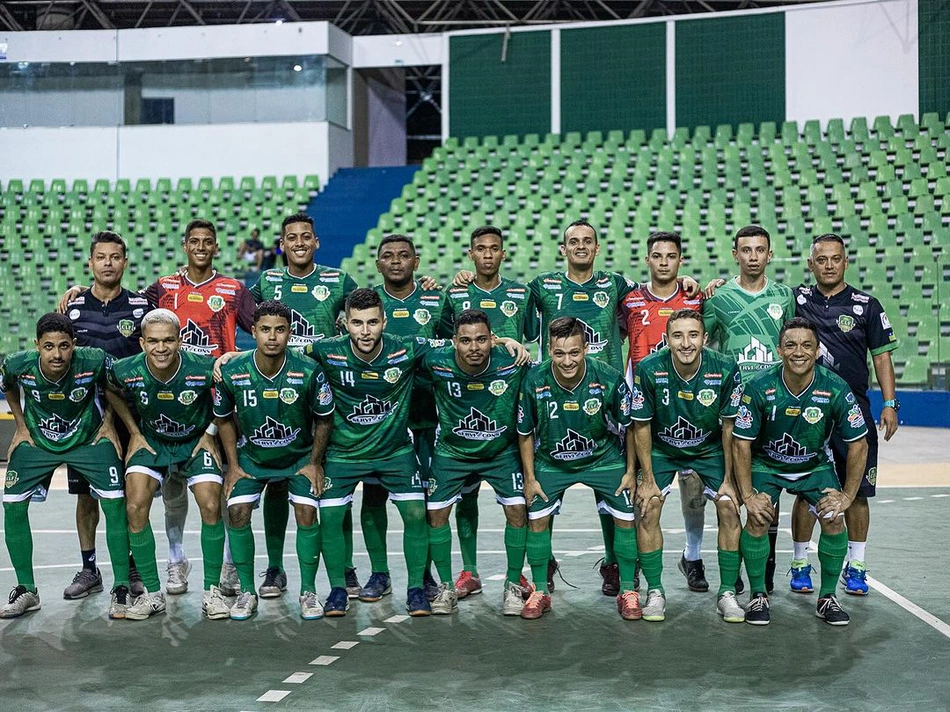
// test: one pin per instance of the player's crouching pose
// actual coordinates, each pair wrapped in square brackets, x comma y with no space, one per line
[786,417]
[172,393]
[685,399]
[60,422]
[282,405]
[570,412]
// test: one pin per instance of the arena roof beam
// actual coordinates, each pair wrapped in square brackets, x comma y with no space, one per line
[97,13]
[9,20]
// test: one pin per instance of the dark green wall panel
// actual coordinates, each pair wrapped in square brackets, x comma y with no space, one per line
[934,55]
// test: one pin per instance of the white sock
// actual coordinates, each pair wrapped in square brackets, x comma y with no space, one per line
[175,496]
[856,550]
[800,550]
[693,504]
[227,548]
[694,535]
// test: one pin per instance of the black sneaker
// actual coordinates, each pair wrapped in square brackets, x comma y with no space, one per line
[337,603]
[136,587]
[831,611]
[740,586]
[416,603]
[429,585]
[553,567]
[770,573]
[610,573]
[353,586]
[275,583]
[758,612]
[695,573]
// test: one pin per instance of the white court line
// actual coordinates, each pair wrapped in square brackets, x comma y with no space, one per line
[345,644]
[325,660]
[396,619]
[273,696]
[371,631]
[911,607]
[298,677]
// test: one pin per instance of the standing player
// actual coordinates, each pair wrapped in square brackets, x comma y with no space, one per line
[685,399]
[279,403]
[570,412]
[850,323]
[172,394]
[744,317]
[59,422]
[476,390]
[781,434]
[108,317]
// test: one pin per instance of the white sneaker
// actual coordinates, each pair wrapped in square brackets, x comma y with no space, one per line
[177,582]
[213,604]
[230,583]
[121,598]
[655,607]
[21,601]
[513,600]
[310,607]
[446,600]
[244,606]
[729,608]
[146,606]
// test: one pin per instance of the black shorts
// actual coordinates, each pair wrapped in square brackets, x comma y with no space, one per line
[76,483]
[839,449]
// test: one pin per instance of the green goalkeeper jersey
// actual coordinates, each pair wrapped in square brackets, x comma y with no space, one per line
[510,307]
[63,414]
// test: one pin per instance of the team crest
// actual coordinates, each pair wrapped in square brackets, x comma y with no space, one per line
[392,374]
[216,303]
[775,311]
[601,299]
[592,406]
[707,397]
[422,316]
[78,394]
[508,308]
[126,327]
[812,415]
[12,478]
[872,476]
[187,397]
[320,293]
[846,323]
[288,395]
[496,388]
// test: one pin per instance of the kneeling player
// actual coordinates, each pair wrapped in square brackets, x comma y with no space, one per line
[785,420]
[570,412]
[60,422]
[282,405]
[172,392]
[679,396]
[476,391]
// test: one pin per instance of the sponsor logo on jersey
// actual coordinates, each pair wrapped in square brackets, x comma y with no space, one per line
[855,417]
[302,331]
[371,411]
[478,426]
[299,288]
[580,297]
[325,395]
[858,309]
[636,399]
[443,371]
[187,397]
[195,340]
[126,327]
[422,316]
[271,394]
[812,415]
[775,311]
[756,353]
[163,425]
[294,381]
[712,381]
[592,406]
[682,433]
[137,313]
[872,476]
[57,396]
[707,396]
[369,376]
[497,388]
[542,392]
[786,449]
[392,375]
[571,405]
[77,394]
[845,322]
[595,389]
[849,397]
[865,298]
[595,344]
[195,297]
[165,395]
[601,299]
[320,292]
[273,434]
[288,395]
[222,290]
[573,446]
[793,411]
[12,478]
[684,395]
[475,387]
[509,308]
[487,304]
[801,299]
[744,416]
[665,311]
[400,314]
[735,396]
[74,314]
[625,404]
[56,428]
[216,303]
[885,322]
[195,381]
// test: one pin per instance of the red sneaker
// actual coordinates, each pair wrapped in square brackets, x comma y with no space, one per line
[537,605]
[466,584]
[628,604]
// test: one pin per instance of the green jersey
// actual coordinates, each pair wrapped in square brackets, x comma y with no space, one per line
[746,325]
[177,410]
[66,413]
[274,414]
[315,301]
[575,429]
[510,307]
[790,432]
[476,412]
[685,414]
[372,418]
[596,303]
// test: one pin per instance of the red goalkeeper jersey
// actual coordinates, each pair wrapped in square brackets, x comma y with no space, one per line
[646,316]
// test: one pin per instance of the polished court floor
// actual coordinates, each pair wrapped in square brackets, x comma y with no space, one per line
[894,655]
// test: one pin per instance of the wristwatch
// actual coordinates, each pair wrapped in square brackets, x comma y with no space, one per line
[893,403]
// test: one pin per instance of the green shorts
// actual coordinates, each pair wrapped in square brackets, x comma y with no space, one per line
[31,468]
[450,477]
[710,468]
[175,459]
[810,486]
[248,489]
[398,475]
[603,480]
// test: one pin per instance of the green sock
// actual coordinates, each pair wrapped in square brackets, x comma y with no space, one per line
[276,515]
[375,522]
[516,538]
[607,529]
[143,551]
[19,540]
[308,556]
[348,538]
[440,549]
[241,540]
[117,538]
[415,540]
[538,550]
[651,563]
[625,548]
[332,544]
[755,552]
[466,520]
[728,570]
[832,548]
[212,550]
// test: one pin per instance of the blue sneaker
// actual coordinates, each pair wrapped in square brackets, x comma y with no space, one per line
[801,577]
[429,585]
[379,585]
[337,603]
[416,602]
[855,578]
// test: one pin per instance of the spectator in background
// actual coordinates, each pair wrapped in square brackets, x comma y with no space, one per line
[251,252]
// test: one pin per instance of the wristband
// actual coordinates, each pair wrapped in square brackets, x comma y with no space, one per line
[212,429]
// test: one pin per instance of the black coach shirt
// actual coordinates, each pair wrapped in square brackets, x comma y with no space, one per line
[114,327]
[850,324]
